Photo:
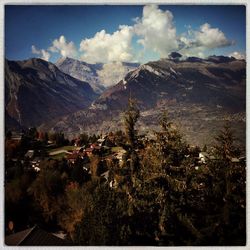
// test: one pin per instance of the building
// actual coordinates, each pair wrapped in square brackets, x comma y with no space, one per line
[34,236]
[203,157]
[29,154]
[72,158]
[35,163]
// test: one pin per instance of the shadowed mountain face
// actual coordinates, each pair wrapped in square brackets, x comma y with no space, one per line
[198,94]
[36,91]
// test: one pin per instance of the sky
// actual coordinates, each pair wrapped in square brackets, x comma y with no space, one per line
[133,33]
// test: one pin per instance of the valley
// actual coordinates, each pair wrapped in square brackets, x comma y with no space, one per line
[199,95]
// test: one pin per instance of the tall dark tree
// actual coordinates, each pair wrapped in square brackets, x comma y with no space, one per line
[131,116]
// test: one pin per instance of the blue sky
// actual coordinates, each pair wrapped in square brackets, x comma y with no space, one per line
[94,33]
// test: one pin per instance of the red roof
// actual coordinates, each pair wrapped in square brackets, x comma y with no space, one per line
[72,156]
[89,150]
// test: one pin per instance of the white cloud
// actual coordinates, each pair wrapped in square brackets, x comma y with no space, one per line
[211,37]
[158,33]
[105,47]
[45,55]
[113,72]
[66,49]
[156,30]
[237,55]
[35,50]
[202,41]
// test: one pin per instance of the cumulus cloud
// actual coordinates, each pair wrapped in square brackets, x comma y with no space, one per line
[211,38]
[66,49]
[158,33]
[156,30]
[197,42]
[45,55]
[237,55]
[105,47]
[34,50]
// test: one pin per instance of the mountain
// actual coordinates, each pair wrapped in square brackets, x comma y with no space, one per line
[82,71]
[206,82]
[99,75]
[36,91]
[199,94]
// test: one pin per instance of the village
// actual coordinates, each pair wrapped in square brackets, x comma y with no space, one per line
[108,149]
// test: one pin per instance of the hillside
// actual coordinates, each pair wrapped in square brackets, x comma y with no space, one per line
[36,91]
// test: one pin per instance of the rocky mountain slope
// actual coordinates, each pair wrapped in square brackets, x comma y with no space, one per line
[199,94]
[99,75]
[213,83]
[36,91]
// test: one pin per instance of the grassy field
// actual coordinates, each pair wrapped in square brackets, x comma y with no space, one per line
[116,149]
[67,148]
[58,156]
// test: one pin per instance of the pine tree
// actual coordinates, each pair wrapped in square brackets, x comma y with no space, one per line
[130,118]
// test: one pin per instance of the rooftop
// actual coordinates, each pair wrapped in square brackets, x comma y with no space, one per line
[34,237]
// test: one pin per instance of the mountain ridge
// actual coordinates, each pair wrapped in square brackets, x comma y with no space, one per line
[195,93]
[37,91]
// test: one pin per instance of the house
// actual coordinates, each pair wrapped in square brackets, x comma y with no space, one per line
[242,159]
[105,175]
[34,236]
[94,149]
[95,146]
[16,137]
[235,160]
[101,141]
[72,158]
[29,154]
[77,142]
[120,156]
[35,164]
[203,157]
[89,151]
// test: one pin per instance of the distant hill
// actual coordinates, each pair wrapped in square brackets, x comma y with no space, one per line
[36,91]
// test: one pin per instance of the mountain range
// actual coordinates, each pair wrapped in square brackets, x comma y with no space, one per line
[199,95]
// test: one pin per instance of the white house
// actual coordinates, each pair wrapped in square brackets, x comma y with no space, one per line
[203,156]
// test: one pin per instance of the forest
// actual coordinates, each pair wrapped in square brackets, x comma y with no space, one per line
[159,193]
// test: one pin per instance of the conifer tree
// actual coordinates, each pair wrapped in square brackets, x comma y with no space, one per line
[131,116]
